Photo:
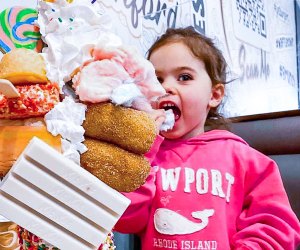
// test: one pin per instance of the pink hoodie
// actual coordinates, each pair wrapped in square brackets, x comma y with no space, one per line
[211,192]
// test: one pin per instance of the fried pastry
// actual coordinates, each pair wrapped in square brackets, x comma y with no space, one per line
[128,128]
[118,168]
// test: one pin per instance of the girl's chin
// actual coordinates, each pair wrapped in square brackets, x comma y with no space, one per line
[170,134]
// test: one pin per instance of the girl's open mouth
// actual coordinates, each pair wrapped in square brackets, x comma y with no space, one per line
[166,105]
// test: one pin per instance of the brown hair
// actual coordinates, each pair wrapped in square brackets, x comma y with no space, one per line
[205,50]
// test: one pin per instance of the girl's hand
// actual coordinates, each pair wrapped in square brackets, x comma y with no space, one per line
[159,116]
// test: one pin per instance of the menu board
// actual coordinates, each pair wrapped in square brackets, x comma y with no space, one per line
[257,37]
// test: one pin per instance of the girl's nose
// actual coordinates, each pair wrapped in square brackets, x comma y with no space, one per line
[169,87]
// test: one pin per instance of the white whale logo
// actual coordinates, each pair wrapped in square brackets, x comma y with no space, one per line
[169,222]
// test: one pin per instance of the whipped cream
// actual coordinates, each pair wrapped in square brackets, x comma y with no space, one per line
[70,31]
[65,119]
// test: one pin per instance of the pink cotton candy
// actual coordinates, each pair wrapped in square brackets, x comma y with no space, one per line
[101,53]
[139,69]
[112,66]
[142,71]
[95,82]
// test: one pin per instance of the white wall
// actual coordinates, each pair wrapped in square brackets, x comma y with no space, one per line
[9,3]
[261,55]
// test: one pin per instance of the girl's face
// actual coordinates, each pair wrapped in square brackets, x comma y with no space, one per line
[189,89]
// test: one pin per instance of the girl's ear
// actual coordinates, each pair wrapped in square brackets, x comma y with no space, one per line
[217,94]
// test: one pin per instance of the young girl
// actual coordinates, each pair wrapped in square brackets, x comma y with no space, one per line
[206,190]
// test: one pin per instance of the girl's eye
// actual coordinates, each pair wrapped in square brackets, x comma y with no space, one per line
[184,77]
